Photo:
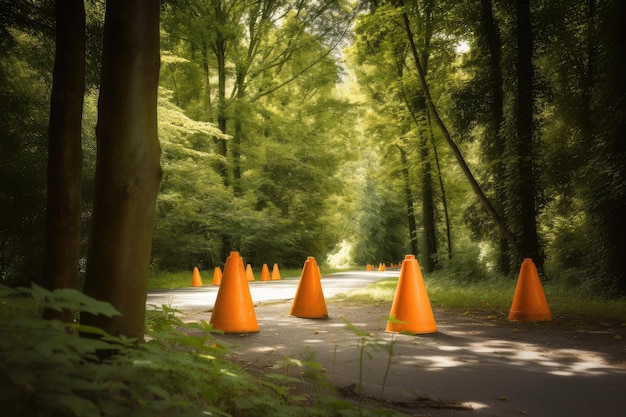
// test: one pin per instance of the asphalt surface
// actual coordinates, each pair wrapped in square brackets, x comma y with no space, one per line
[488,367]
[193,298]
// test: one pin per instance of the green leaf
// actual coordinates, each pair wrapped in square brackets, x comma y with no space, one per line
[159,392]
[70,299]
[6,291]
[79,406]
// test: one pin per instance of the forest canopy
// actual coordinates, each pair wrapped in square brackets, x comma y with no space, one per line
[471,134]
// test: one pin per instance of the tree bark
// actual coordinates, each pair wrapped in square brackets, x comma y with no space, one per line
[65,158]
[495,142]
[446,134]
[429,261]
[587,84]
[238,135]
[128,169]
[605,180]
[207,83]
[219,48]
[526,191]
[444,200]
[410,210]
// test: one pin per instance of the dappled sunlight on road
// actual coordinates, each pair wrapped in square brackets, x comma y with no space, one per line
[497,367]
[494,367]
[561,362]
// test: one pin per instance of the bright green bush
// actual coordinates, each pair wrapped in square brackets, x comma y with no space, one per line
[49,368]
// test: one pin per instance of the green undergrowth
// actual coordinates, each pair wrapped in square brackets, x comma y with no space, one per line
[494,295]
[48,368]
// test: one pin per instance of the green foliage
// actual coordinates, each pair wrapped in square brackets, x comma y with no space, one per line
[379,225]
[192,197]
[267,191]
[369,344]
[317,157]
[24,100]
[51,368]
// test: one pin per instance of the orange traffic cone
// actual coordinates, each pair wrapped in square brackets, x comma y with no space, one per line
[529,301]
[265,273]
[234,311]
[196,281]
[275,273]
[411,310]
[249,273]
[309,300]
[369,267]
[217,276]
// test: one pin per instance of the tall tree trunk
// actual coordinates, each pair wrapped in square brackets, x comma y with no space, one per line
[222,147]
[429,261]
[238,136]
[446,134]
[221,110]
[219,48]
[428,207]
[444,200]
[128,169]
[207,81]
[65,158]
[588,76]
[606,172]
[495,142]
[417,106]
[410,210]
[526,175]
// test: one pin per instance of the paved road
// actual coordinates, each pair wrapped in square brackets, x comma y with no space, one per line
[498,368]
[203,298]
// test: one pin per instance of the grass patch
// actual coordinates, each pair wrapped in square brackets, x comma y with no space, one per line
[180,279]
[488,295]
[494,295]
[572,302]
[377,292]
[166,279]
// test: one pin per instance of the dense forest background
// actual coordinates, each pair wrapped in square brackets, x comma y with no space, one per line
[472,134]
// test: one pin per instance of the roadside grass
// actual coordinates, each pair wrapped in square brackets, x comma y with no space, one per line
[180,279]
[489,295]
[494,295]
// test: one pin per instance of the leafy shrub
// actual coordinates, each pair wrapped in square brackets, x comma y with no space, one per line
[48,368]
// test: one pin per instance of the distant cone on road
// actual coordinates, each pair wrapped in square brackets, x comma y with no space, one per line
[529,300]
[309,299]
[275,273]
[411,311]
[234,311]
[249,273]
[196,280]
[265,273]
[217,276]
